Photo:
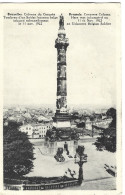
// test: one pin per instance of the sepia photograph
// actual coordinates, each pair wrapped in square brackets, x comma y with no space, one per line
[61,97]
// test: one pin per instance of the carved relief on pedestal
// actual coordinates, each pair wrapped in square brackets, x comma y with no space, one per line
[61,102]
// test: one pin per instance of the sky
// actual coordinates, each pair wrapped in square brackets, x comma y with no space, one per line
[30,61]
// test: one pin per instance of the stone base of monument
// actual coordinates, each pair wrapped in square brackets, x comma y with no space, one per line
[62,134]
[62,128]
[61,124]
[61,120]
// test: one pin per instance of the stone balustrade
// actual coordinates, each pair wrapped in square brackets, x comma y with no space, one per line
[49,186]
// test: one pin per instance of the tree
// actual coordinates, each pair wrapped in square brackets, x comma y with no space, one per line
[108,136]
[111,112]
[18,152]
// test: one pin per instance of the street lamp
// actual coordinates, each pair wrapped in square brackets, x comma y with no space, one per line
[82,158]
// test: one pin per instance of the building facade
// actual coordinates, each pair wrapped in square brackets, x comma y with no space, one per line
[36,130]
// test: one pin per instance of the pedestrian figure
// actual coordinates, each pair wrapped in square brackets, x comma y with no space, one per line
[66,146]
[67,152]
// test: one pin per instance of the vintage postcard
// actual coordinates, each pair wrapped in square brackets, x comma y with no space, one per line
[61,98]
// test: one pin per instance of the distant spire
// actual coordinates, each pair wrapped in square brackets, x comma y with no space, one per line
[61,22]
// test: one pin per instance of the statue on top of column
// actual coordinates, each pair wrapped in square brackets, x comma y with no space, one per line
[61,22]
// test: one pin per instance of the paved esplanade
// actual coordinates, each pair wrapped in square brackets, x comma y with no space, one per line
[61,118]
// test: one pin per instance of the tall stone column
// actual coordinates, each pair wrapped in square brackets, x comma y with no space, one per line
[61,116]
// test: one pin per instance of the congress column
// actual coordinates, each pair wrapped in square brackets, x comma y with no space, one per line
[61,118]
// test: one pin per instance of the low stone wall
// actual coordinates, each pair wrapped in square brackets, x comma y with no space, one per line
[13,187]
[50,186]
